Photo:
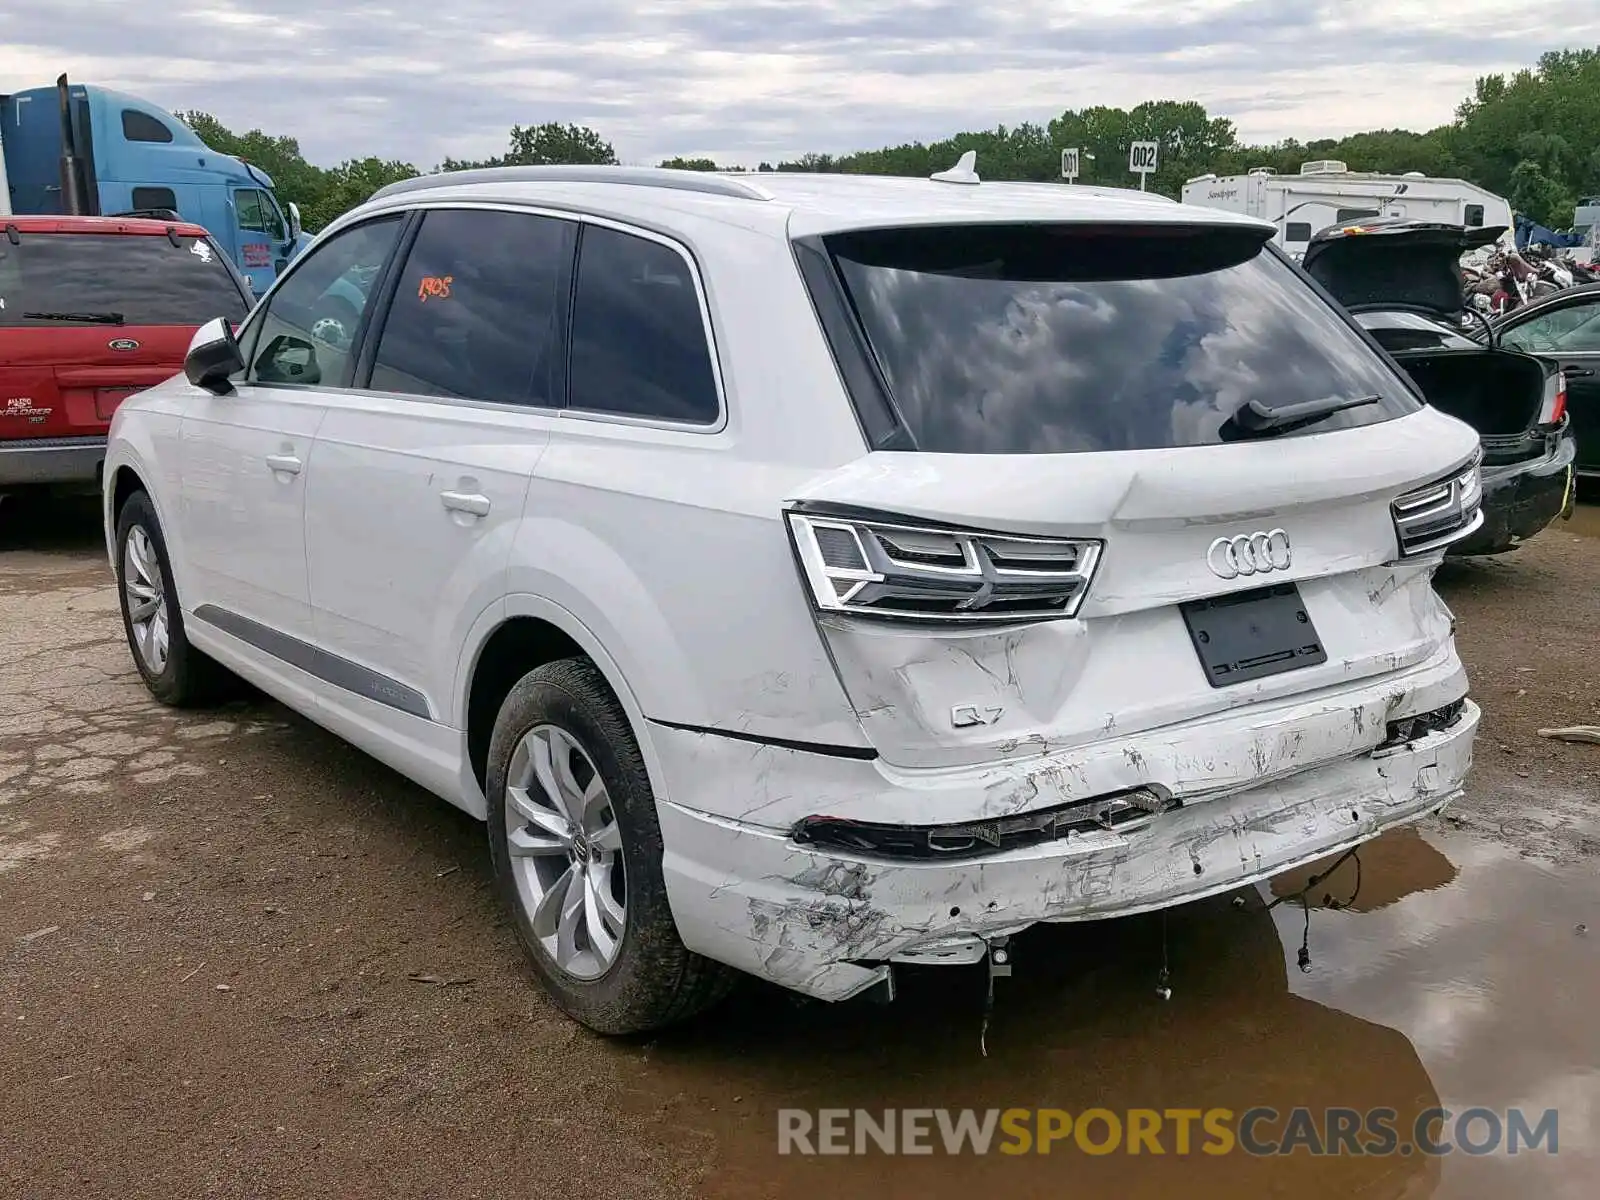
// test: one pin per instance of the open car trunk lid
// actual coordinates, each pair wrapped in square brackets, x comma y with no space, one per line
[1393,272]
[1048,553]
[1396,263]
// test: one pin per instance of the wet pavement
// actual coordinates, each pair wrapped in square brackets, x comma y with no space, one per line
[238,958]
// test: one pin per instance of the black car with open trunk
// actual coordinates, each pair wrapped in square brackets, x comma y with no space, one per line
[1401,279]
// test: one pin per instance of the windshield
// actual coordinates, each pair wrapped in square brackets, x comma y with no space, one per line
[1050,339]
[142,279]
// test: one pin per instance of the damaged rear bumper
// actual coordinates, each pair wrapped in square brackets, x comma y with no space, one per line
[828,923]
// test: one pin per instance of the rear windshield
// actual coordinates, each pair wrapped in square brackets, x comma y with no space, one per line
[1051,339]
[142,279]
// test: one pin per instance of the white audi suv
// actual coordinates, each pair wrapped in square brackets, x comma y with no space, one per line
[807,575]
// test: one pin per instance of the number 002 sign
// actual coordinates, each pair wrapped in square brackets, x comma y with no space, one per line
[1142,157]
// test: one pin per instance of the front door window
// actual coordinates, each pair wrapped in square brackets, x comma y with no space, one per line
[306,335]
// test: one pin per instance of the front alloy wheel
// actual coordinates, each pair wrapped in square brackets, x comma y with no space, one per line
[146,600]
[174,671]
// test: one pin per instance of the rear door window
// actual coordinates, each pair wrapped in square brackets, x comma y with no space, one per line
[1050,339]
[639,345]
[115,279]
[479,309]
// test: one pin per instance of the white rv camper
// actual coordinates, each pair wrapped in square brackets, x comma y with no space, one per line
[1328,193]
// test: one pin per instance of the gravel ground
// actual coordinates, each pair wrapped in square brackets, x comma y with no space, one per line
[238,958]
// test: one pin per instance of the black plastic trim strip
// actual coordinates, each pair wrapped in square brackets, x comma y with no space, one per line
[881,423]
[341,672]
[861,753]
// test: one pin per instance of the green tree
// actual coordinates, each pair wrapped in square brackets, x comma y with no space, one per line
[352,183]
[690,164]
[1549,116]
[1540,197]
[552,143]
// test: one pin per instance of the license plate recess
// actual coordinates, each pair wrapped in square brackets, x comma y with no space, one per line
[1250,635]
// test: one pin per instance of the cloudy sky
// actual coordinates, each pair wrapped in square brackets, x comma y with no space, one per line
[745,80]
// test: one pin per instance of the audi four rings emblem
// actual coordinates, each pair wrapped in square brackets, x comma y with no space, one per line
[1249,554]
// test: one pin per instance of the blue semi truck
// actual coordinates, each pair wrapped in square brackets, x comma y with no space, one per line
[80,150]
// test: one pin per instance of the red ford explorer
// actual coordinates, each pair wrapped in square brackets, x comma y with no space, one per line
[93,309]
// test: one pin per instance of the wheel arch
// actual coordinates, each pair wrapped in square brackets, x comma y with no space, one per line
[119,483]
[519,634]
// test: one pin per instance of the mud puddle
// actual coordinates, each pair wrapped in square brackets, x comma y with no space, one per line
[1456,977]
[1585,521]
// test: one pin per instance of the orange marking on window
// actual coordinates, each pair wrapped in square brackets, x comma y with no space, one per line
[435,286]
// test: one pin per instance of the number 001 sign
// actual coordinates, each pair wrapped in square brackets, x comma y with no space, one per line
[1142,157]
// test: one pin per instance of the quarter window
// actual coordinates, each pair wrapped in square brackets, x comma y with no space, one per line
[307,331]
[639,343]
[1297,231]
[142,127]
[478,309]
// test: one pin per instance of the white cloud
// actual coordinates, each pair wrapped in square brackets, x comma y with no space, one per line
[743,80]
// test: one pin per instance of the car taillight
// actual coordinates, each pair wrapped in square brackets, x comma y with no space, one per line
[906,571]
[1555,399]
[1429,518]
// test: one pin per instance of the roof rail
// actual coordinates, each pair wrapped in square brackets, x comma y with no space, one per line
[662,177]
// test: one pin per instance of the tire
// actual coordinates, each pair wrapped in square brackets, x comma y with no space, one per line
[646,978]
[182,676]
[340,313]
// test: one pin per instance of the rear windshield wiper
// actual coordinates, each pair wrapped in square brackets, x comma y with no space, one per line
[91,318]
[1254,419]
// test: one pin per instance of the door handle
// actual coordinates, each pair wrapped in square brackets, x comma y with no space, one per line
[289,464]
[1578,372]
[466,502]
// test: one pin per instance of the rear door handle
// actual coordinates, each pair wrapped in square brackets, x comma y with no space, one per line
[1578,372]
[466,502]
[289,464]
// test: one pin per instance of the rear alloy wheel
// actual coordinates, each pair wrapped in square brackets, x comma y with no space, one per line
[174,671]
[576,848]
[566,852]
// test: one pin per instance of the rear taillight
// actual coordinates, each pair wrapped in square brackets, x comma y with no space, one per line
[1555,399]
[1434,516]
[906,571]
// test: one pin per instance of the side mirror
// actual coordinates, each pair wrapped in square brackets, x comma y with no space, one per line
[294,222]
[213,356]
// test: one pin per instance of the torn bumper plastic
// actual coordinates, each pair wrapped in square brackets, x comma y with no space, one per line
[827,923]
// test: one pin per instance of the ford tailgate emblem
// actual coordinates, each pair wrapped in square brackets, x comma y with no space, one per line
[123,344]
